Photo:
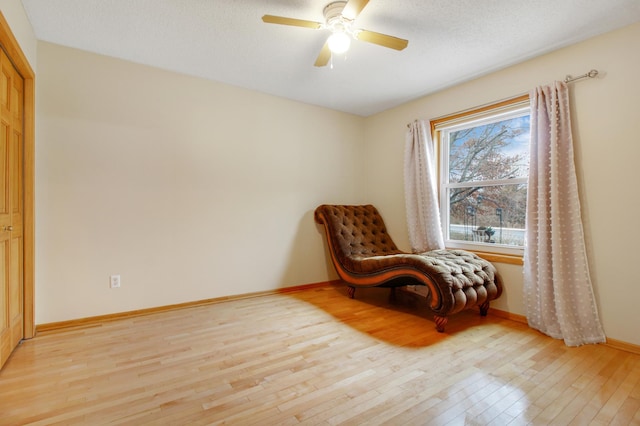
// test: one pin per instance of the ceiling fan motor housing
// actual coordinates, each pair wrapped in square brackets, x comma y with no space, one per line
[333,12]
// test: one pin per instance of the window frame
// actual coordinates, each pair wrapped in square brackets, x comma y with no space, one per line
[499,253]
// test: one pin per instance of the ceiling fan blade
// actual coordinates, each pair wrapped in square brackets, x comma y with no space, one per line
[281,20]
[353,8]
[324,56]
[382,39]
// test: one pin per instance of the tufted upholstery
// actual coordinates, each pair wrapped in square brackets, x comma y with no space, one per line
[364,254]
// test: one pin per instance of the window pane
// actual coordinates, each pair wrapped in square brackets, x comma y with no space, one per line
[491,151]
[488,214]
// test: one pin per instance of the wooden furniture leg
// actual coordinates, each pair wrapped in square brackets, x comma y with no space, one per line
[392,295]
[351,291]
[484,309]
[441,323]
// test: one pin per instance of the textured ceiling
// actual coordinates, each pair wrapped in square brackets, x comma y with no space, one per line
[450,41]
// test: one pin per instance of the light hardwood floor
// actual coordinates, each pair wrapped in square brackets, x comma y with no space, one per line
[315,357]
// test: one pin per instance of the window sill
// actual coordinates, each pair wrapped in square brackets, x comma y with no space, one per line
[510,259]
[491,252]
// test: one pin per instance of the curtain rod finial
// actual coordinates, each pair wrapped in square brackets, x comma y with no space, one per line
[590,74]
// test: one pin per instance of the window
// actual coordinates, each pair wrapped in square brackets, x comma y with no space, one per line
[483,164]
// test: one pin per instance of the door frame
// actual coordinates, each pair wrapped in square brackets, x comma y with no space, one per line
[11,46]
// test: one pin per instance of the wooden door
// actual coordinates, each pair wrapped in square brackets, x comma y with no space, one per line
[11,207]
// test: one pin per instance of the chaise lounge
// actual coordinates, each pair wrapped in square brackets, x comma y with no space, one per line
[364,255]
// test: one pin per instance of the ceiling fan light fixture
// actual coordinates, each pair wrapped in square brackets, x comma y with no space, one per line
[339,17]
[339,42]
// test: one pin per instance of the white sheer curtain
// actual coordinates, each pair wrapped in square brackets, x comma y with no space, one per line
[558,294]
[421,196]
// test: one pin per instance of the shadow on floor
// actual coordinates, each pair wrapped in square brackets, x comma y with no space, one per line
[393,321]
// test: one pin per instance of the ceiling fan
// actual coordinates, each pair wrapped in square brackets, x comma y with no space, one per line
[339,17]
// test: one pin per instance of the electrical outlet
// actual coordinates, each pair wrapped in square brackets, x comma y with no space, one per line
[114,281]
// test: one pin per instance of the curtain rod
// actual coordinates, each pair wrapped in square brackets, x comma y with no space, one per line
[567,79]
[590,74]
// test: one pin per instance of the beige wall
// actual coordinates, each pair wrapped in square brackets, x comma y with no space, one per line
[186,188]
[607,148]
[191,189]
[16,17]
